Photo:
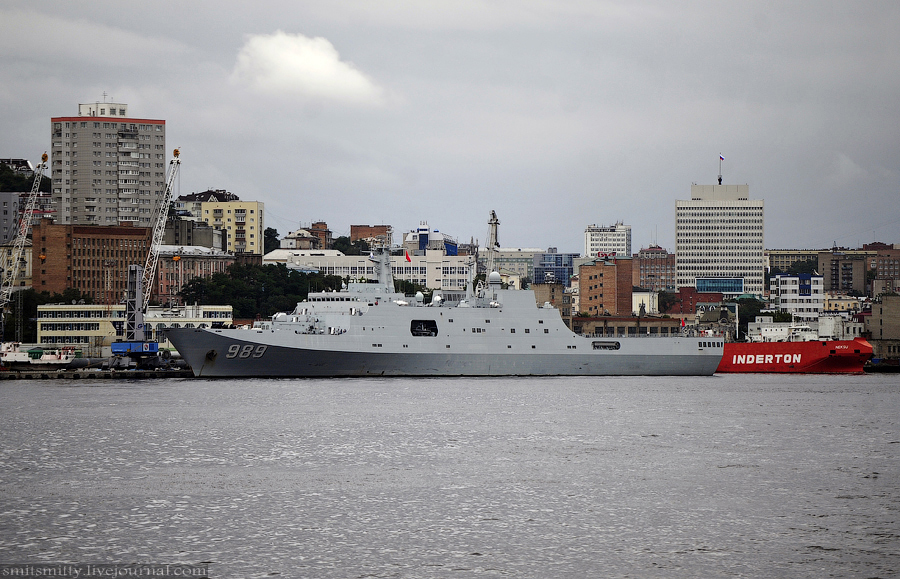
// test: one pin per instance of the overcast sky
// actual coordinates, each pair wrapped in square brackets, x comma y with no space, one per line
[556,114]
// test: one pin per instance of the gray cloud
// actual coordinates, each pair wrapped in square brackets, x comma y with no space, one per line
[555,114]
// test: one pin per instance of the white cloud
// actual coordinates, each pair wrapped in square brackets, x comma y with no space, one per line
[295,65]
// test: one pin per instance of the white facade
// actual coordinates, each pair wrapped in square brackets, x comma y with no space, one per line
[434,270]
[719,236]
[608,240]
[106,167]
[801,296]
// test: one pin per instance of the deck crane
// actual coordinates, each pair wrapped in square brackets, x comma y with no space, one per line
[140,280]
[11,273]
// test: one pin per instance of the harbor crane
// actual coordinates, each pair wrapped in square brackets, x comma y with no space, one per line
[11,272]
[140,280]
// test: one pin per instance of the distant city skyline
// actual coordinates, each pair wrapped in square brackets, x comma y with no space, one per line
[554,115]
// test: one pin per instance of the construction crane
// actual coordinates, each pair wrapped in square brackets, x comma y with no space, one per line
[11,273]
[140,280]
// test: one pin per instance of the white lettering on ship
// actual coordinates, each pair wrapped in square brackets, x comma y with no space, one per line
[766,359]
[246,351]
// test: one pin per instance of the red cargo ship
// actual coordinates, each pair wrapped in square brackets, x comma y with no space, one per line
[813,357]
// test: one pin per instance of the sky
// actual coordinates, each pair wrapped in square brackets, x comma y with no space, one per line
[555,114]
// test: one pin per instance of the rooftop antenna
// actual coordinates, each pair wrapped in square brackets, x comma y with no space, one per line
[721,158]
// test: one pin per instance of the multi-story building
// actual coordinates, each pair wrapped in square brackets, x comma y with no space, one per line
[604,287]
[517,259]
[887,272]
[551,267]
[107,167]
[94,327]
[424,238]
[434,270]
[23,277]
[654,269]
[612,240]
[781,260]
[90,258]
[180,264]
[801,295]
[883,327]
[241,221]
[182,231]
[719,242]
[845,270]
[190,206]
[372,234]
[9,216]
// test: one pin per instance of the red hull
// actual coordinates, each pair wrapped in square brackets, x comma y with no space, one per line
[823,357]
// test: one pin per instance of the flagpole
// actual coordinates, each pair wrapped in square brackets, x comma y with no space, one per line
[721,158]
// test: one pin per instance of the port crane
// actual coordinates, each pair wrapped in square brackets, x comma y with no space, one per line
[11,272]
[140,280]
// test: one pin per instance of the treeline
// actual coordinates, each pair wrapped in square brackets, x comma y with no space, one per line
[257,291]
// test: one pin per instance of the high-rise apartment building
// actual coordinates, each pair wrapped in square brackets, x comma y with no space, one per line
[612,240]
[719,244]
[241,221]
[106,166]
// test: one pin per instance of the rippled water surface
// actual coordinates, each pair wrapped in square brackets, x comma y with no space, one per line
[726,476]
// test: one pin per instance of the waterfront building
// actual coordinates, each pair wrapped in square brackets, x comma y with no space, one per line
[801,295]
[654,269]
[602,241]
[106,166]
[93,327]
[719,240]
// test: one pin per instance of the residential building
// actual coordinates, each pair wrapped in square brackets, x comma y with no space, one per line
[190,206]
[107,167]
[605,287]
[887,272]
[93,259]
[187,232]
[241,222]
[602,241]
[654,269]
[883,327]
[801,295]
[320,230]
[845,270]
[23,277]
[719,241]
[299,239]
[9,215]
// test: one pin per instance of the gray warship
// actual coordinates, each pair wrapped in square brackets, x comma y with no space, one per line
[368,329]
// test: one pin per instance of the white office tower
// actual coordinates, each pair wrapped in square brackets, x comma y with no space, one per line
[615,239]
[107,167]
[719,240]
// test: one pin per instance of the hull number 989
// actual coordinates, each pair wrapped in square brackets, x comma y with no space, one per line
[245,351]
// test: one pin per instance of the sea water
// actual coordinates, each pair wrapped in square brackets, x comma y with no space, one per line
[722,476]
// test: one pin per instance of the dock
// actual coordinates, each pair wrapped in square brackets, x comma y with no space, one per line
[87,374]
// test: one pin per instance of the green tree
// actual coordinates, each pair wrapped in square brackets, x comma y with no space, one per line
[257,290]
[343,244]
[270,240]
[18,182]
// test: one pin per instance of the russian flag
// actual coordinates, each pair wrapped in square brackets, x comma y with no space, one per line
[721,158]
